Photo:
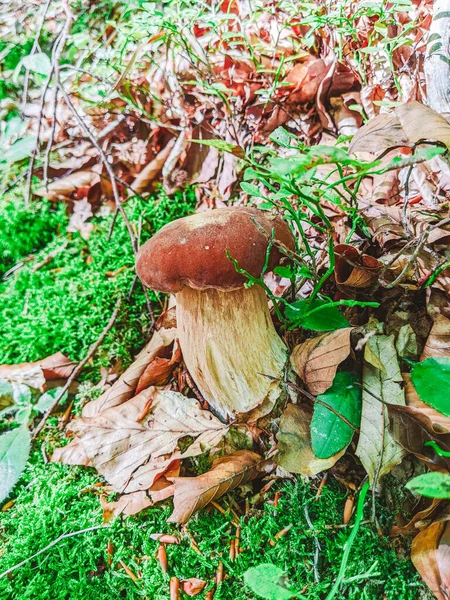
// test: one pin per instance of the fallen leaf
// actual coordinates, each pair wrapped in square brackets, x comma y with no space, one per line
[419,520]
[193,493]
[295,453]
[438,342]
[427,554]
[63,188]
[123,389]
[329,433]
[128,504]
[382,383]
[192,586]
[268,581]
[131,454]
[355,270]
[316,360]
[82,211]
[158,372]
[151,171]
[56,366]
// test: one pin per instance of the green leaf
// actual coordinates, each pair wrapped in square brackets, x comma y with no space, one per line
[431,378]
[266,581]
[14,452]
[283,272]
[251,189]
[19,150]
[329,433]
[431,485]
[46,400]
[38,63]
[327,318]
[222,146]
[282,137]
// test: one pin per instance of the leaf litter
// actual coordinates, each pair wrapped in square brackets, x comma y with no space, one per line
[376,232]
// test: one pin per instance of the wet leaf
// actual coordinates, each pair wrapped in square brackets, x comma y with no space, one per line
[430,378]
[382,383]
[193,493]
[316,360]
[329,433]
[14,451]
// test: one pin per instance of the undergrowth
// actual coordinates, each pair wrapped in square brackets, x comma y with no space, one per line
[52,500]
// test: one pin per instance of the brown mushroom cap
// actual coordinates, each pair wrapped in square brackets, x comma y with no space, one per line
[192,251]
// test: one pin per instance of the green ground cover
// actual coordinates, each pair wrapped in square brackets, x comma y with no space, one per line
[64,305]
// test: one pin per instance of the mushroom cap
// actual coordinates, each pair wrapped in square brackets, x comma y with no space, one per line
[191,251]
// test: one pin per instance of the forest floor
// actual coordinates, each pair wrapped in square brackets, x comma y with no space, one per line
[99,104]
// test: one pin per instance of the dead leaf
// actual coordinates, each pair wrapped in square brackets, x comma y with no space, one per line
[124,388]
[294,443]
[355,270]
[72,454]
[63,188]
[82,211]
[128,504]
[419,520]
[382,383]
[316,360]
[405,126]
[158,372]
[192,586]
[438,342]
[430,555]
[131,455]
[193,493]
[151,171]
[55,366]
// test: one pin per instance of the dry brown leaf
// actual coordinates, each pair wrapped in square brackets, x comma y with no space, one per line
[404,126]
[72,454]
[355,270]
[82,211]
[151,171]
[438,342]
[192,586]
[316,360]
[419,520]
[158,372]
[132,454]
[128,504]
[430,555]
[63,188]
[294,443]
[55,366]
[193,493]
[124,388]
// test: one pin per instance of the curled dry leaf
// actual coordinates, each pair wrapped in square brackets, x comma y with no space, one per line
[355,270]
[430,553]
[294,443]
[193,493]
[382,384]
[128,504]
[158,372]
[316,360]
[132,454]
[35,374]
[438,342]
[63,188]
[124,388]
[419,521]
[192,586]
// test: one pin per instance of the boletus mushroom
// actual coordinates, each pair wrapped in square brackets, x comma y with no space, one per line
[228,340]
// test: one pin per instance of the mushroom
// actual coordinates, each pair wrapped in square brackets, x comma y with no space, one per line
[227,337]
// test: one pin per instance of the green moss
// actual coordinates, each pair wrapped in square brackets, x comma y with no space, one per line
[65,304]
[52,500]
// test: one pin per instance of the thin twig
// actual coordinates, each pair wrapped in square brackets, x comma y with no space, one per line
[79,368]
[316,543]
[59,539]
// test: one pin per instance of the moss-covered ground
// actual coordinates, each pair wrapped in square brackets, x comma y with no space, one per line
[63,306]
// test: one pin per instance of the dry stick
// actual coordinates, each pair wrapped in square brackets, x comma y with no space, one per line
[33,50]
[105,162]
[316,543]
[59,539]
[79,368]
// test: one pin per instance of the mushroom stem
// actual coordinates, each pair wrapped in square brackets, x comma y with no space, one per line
[229,344]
